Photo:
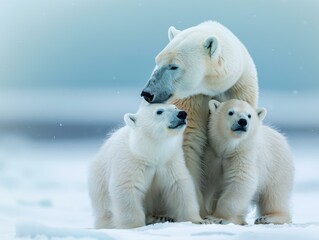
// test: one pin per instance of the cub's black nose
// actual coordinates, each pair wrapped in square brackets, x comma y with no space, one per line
[242,122]
[147,96]
[182,115]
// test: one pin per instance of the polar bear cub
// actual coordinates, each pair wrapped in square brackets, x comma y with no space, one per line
[140,171]
[246,162]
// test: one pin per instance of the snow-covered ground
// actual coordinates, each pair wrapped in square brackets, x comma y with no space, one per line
[98,105]
[43,195]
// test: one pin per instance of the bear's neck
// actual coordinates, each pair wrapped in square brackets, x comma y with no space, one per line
[224,147]
[197,110]
[154,151]
[197,118]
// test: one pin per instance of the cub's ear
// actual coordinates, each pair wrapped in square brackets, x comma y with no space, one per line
[130,119]
[172,32]
[213,47]
[261,113]
[213,105]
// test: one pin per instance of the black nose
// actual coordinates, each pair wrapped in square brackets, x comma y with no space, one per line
[147,96]
[182,115]
[242,122]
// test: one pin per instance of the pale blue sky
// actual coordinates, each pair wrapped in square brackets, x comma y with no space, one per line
[103,44]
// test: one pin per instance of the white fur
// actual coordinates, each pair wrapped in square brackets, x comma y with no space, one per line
[245,167]
[195,138]
[211,61]
[140,172]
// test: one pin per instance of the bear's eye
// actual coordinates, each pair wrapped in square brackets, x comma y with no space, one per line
[159,112]
[172,67]
[231,113]
[249,116]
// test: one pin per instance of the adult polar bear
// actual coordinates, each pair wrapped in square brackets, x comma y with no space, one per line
[198,63]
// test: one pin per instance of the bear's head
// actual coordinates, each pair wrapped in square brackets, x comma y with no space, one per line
[190,64]
[156,121]
[234,119]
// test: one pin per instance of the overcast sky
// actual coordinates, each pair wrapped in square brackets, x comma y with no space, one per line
[103,44]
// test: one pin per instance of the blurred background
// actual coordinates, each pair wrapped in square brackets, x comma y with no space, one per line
[71,69]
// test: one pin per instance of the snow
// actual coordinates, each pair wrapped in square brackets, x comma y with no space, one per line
[176,231]
[43,195]
[78,105]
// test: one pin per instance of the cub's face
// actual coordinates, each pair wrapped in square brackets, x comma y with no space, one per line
[235,118]
[157,120]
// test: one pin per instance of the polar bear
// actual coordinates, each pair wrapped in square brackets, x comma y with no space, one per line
[140,171]
[198,63]
[246,162]
[205,59]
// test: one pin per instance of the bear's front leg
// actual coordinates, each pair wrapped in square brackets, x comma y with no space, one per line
[240,184]
[179,190]
[152,219]
[127,190]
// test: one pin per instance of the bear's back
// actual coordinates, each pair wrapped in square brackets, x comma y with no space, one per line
[274,154]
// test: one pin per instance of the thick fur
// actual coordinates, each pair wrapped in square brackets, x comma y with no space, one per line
[140,173]
[245,167]
[195,138]
[207,59]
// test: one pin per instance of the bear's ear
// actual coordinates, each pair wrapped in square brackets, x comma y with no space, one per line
[212,45]
[213,105]
[130,119]
[261,113]
[172,32]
